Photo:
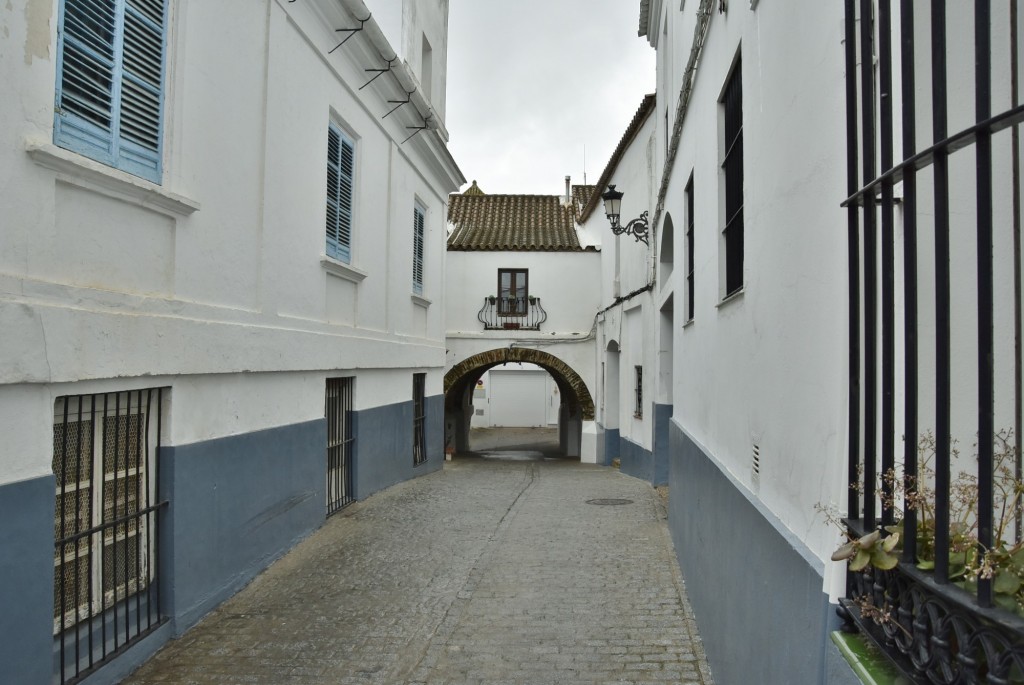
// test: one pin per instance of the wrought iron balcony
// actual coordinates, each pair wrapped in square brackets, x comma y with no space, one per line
[512,314]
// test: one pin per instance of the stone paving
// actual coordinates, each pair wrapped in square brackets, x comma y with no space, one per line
[495,570]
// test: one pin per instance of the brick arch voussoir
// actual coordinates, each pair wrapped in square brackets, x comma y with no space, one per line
[562,372]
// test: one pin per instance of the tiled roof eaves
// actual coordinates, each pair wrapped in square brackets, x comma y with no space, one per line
[513,248]
[646,107]
[645,13]
[511,222]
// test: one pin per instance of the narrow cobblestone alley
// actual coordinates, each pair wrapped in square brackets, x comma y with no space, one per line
[490,571]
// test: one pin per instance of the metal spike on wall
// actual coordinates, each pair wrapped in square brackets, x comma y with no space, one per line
[399,103]
[351,32]
[425,125]
[379,72]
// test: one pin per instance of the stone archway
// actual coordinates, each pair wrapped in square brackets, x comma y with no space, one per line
[577,403]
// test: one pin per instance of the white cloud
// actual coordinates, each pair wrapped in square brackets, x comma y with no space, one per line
[531,82]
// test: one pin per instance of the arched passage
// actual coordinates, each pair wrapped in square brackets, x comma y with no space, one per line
[577,403]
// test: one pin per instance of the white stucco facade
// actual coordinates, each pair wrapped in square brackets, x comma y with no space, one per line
[106,276]
[566,284]
[212,281]
[757,379]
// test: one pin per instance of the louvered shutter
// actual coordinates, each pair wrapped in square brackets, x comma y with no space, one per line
[340,183]
[87,75]
[417,258]
[110,82]
[141,88]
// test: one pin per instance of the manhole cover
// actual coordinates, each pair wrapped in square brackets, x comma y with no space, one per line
[609,502]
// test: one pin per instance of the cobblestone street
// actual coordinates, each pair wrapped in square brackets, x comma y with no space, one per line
[494,570]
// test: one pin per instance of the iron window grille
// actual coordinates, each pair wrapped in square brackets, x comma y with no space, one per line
[110,83]
[939,631]
[638,411]
[513,292]
[341,160]
[689,249]
[419,409]
[106,525]
[340,443]
[732,169]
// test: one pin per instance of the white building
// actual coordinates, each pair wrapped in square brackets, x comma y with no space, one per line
[175,320]
[521,289]
[759,318]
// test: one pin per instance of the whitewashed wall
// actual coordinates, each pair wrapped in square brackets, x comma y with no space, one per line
[767,366]
[566,283]
[627,266]
[218,269]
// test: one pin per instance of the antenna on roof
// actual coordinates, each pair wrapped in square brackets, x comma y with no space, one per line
[584,164]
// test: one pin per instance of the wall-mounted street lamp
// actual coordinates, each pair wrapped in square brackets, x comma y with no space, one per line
[637,227]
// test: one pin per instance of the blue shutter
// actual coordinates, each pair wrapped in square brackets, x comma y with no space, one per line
[86,78]
[110,74]
[340,184]
[417,258]
[142,77]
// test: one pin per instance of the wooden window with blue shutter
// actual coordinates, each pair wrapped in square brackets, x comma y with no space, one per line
[341,156]
[419,215]
[110,82]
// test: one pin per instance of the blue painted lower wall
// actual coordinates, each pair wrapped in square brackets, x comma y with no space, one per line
[383,445]
[649,465]
[26,581]
[757,597]
[635,461]
[611,446]
[662,446]
[236,504]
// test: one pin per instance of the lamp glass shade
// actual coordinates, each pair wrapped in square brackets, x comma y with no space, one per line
[612,201]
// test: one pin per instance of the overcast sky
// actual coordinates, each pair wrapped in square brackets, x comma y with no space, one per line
[531,82]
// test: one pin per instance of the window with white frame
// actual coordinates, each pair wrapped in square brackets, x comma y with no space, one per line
[341,158]
[419,213]
[110,82]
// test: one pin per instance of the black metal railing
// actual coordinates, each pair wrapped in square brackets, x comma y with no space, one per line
[340,441]
[512,313]
[926,620]
[106,556]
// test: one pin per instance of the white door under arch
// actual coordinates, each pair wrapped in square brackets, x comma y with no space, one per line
[518,398]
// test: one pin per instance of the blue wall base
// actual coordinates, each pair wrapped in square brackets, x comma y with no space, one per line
[236,504]
[635,461]
[383,445]
[756,591]
[26,580]
[611,446]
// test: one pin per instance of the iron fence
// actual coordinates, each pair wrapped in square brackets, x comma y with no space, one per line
[935,614]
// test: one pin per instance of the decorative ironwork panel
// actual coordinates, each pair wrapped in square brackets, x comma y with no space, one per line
[512,313]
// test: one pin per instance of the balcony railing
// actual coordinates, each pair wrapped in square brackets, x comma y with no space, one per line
[935,618]
[512,314]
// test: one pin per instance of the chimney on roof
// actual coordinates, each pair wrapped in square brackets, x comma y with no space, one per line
[568,191]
